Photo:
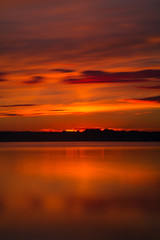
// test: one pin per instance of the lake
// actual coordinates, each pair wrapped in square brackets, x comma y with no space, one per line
[80,191]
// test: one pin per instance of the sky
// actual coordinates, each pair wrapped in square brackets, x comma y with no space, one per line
[79,64]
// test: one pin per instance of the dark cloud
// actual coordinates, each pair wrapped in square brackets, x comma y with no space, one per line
[2,80]
[2,76]
[63,70]
[150,73]
[35,79]
[150,99]
[10,115]
[18,105]
[117,77]
[153,99]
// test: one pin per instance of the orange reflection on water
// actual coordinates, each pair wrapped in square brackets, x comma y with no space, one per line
[89,188]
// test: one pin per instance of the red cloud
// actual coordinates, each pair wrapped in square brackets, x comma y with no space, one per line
[118,77]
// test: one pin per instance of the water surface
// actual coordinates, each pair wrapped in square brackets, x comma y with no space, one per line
[82,190]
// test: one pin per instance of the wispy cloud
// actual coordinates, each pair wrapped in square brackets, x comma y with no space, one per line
[35,80]
[18,105]
[117,77]
[58,110]
[10,115]
[2,76]
[61,70]
[153,99]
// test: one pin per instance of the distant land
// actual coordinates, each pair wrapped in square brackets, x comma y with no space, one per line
[86,135]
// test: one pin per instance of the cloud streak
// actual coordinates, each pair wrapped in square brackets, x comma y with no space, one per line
[60,70]
[10,115]
[117,77]
[2,76]
[152,99]
[35,80]
[58,110]
[18,105]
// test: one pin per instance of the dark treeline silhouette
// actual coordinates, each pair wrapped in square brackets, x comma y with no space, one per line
[87,135]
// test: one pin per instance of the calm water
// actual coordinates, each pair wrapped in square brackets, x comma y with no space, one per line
[79,191]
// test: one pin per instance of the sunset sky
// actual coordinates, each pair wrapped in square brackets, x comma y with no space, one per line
[71,64]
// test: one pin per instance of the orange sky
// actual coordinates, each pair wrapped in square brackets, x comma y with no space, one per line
[79,64]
